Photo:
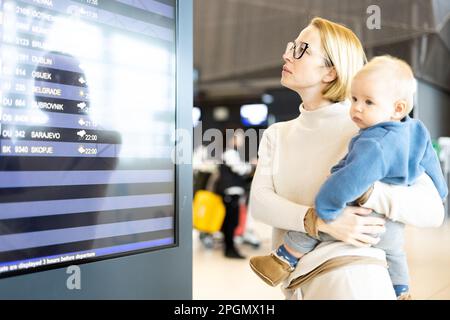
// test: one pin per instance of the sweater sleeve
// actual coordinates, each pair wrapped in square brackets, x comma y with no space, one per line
[419,205]
[365,164]
[265,204]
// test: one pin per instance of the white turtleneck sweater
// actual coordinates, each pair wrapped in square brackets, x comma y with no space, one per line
[295,158]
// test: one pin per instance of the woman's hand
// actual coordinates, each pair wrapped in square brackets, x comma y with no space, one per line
[353,227]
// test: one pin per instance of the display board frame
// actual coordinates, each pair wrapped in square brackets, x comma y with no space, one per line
[145,274]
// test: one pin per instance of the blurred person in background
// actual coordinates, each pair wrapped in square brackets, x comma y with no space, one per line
[233,174]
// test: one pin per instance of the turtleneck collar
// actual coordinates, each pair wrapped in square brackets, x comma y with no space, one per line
[313,118]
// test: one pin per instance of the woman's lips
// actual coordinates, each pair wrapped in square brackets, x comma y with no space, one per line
[285,69]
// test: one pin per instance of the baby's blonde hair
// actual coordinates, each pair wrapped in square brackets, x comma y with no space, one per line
[399,73]
[344,52]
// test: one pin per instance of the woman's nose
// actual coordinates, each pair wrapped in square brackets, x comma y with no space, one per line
[287,57]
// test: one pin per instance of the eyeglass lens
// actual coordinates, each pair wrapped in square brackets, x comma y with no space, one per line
[297,50]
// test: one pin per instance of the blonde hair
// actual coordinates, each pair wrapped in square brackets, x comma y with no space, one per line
[346,54]
[399,73]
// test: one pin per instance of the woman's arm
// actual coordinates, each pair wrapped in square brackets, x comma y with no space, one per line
[419,205]
[265,204]
[351,226]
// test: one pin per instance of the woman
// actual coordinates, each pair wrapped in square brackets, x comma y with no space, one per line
[295,158]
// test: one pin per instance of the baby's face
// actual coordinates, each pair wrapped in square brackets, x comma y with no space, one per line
[372,100]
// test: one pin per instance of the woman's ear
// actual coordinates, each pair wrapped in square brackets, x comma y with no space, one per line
[400,109]
[330,76]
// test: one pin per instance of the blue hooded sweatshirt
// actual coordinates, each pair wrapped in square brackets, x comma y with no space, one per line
[395,152]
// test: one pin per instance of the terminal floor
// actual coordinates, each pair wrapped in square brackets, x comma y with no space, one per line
[216,277]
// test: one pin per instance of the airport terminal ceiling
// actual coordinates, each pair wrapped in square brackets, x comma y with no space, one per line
[238,43]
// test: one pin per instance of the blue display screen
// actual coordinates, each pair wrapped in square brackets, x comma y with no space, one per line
[87,119]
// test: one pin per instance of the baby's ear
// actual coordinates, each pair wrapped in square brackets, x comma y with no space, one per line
[400,108]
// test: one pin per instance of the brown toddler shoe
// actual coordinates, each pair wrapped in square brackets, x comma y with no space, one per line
[405,296]
[272,269]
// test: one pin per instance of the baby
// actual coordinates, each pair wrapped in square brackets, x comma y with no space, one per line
[390,147]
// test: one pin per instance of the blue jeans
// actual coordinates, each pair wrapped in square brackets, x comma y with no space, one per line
[391,242]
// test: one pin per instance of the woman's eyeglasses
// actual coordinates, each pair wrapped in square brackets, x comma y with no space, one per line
[299,50]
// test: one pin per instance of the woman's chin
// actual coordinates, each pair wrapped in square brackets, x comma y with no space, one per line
[289,85]
[285,83]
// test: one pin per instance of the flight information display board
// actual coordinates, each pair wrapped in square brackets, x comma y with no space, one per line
[87,119]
